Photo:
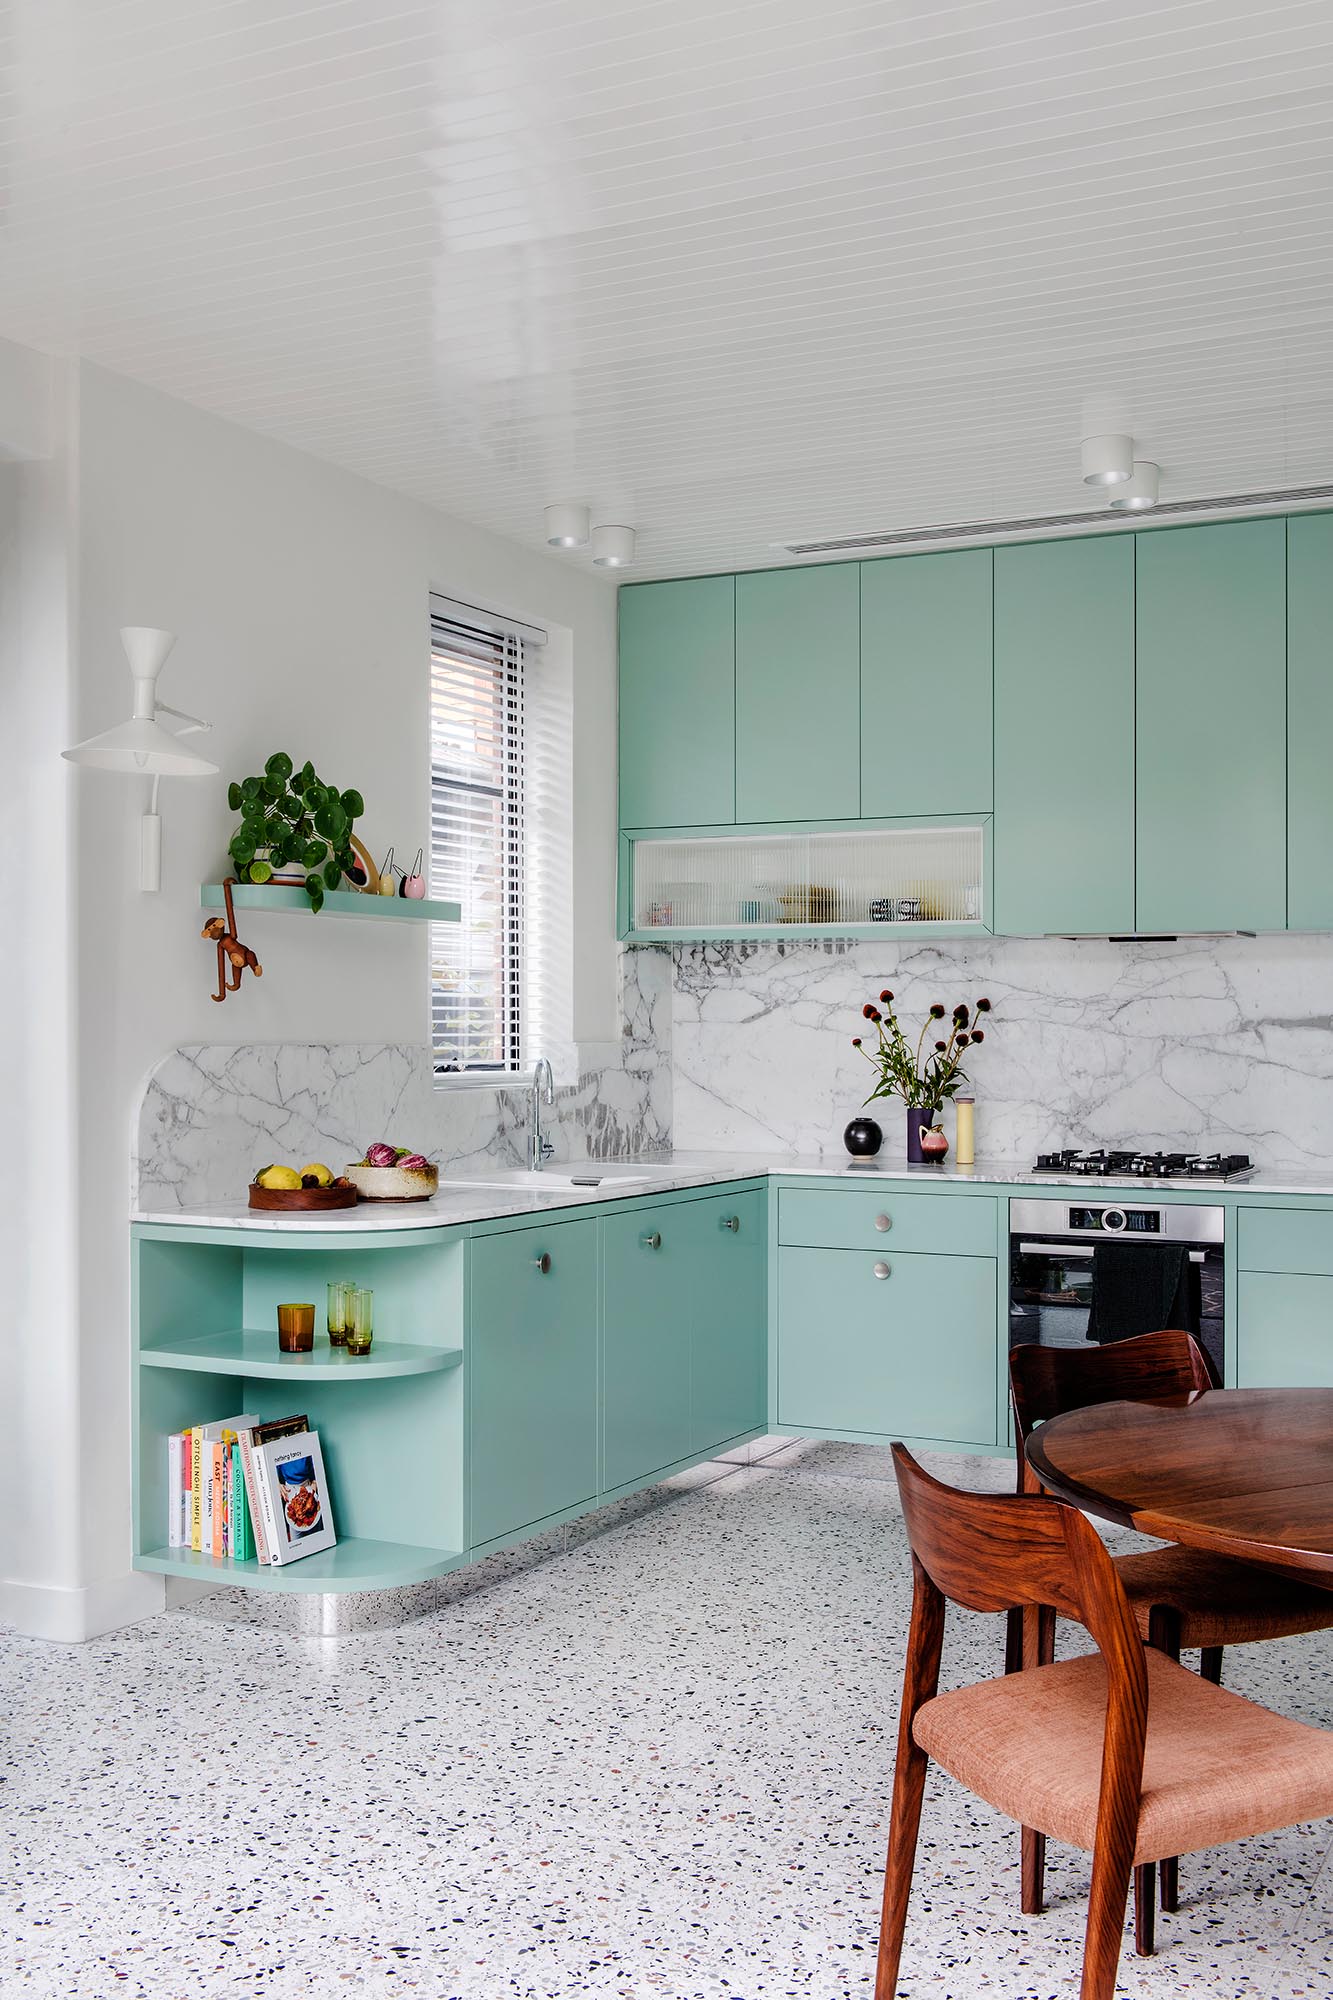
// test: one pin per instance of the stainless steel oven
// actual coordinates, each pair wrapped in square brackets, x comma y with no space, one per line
[1053,1252]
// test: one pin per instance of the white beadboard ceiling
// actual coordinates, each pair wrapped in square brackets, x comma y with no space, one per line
[735,273]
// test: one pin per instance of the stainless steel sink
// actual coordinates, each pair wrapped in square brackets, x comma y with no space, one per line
[558,1179]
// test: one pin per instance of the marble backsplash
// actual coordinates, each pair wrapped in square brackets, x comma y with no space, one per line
[1201,1043]
[211,1114]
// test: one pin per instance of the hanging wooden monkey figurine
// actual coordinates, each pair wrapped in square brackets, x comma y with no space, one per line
[233,956]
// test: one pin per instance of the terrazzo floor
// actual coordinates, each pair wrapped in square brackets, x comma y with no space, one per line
[654,1765]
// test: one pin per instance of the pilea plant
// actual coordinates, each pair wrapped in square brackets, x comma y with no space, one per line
[290,816]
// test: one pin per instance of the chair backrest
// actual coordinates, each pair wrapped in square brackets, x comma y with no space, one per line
[1046,1381]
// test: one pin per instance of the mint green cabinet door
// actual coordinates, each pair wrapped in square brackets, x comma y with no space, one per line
[1211,735]
[1284,1330]
[926,644]
[1309,722]
[678,703]
[532,1363]
[1064,736]
[647,1285]
[898,1345]
[798,697]
[729,1317]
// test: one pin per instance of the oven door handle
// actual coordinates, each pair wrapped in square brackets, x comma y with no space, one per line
[1086,1249]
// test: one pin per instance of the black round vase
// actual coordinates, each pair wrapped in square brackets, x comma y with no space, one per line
[863,1138]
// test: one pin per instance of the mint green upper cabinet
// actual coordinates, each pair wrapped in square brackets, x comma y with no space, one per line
[1309,722]
[678,703]
[648,1281]
[532,1360]
[798,753]
[926,646]
[1064,736]
[1211,731]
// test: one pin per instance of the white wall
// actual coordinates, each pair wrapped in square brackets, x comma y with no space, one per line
[300,596]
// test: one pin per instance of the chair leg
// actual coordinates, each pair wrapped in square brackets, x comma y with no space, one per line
[1145,1901]
[909,1783]
[1210,1664]
[1112,1865]
[1039,1638]
[1034,1872]
[1164,1634]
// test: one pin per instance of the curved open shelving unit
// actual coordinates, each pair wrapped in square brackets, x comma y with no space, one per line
[355,1564]
[256,1354]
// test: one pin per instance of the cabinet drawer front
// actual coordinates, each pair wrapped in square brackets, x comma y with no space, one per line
[907,1354]
[1285,1239]
[1284,1327]
[854,1219]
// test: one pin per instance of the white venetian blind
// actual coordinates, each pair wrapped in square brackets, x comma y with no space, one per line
[500,845]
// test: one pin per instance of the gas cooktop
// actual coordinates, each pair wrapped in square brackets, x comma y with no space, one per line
[1135,1166]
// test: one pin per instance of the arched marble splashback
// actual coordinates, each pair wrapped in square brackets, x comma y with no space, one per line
[1201,1042]
[212,1114]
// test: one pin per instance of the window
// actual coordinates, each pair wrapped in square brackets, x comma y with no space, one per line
[500,844]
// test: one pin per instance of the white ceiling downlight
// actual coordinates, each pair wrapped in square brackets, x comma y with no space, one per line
[1138,492]
[567,525]
[612,545]
[1107,461]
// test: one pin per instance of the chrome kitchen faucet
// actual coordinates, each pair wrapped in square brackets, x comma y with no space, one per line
[540,1149]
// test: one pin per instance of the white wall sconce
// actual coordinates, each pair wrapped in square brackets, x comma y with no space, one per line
[142,746]
[612,546]
[1107,461]
[1140,491]
[566,526]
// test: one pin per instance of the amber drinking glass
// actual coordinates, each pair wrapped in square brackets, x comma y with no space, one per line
[340,1291]
[296,1328]
[360,1321]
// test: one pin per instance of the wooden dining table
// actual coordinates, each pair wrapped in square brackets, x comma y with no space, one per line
[1243,1472]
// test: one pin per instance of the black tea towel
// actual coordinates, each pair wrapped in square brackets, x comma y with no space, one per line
[1140,1288]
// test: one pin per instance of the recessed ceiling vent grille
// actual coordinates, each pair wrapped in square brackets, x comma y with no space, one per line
[1050,524]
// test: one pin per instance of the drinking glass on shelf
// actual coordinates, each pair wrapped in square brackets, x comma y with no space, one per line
[296,1328]
[360,1320]
[340,1291]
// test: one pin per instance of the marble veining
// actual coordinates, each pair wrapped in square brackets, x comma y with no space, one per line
[655,1764]
[1202,1042]
[212,1114]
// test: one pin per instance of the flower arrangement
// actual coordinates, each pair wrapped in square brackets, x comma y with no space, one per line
[925,1078]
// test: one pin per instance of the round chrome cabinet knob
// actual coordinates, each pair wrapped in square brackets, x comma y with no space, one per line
[543,1262]
[881,1270]
[883,1222]
[653,1241]
[731,1222]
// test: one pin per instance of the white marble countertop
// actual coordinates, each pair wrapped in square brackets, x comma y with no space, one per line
[465,1201]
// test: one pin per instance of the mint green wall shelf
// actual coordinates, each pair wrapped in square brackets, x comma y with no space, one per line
[248,1351]
[337,903]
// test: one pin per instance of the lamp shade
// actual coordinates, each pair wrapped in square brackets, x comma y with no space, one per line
[141,746]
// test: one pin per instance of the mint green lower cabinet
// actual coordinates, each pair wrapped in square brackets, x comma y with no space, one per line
[729,1317]
[1064,736]
[647,1284]
[1284,1330]
[910,1354]
[532,1359]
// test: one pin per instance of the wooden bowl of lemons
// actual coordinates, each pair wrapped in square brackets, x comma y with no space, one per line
[311,1188]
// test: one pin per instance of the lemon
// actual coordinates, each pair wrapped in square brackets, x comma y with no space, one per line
[323,1174]
[279,1177]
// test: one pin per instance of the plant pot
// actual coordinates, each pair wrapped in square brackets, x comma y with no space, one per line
[917,1121]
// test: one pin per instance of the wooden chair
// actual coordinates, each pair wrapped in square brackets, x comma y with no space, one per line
[1180,1597]
[1121,1752]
